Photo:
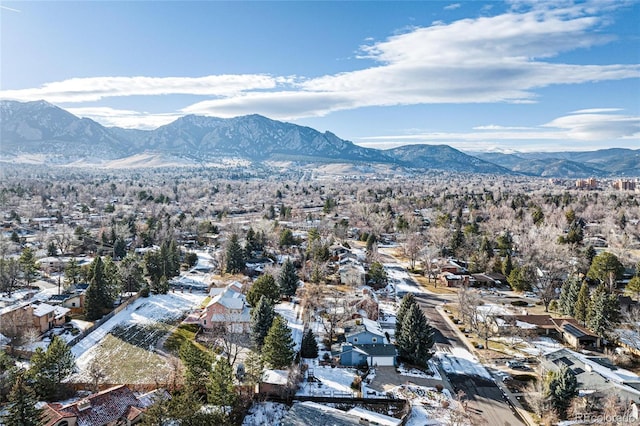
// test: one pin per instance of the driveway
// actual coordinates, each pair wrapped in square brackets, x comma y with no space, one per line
[388,378]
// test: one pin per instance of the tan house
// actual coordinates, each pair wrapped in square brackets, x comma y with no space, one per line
[46,316]
[227,307]
[42,317]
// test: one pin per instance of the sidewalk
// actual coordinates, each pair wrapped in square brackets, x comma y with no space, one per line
[511,399]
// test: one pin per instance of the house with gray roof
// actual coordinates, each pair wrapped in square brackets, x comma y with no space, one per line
[595,375]
[366,343]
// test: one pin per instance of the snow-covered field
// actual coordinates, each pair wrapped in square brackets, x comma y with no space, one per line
[428,405]
[137,329]
[265,413]
[329,381]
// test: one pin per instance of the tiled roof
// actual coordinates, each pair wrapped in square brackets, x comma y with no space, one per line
[103,407]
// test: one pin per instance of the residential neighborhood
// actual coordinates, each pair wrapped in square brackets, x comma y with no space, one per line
[140,309]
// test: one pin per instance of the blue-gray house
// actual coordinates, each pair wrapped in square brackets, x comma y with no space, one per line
[366,343]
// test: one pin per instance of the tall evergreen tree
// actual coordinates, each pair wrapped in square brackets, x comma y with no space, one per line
[604,311]
[49,368]
[309,347]
[221,390]
[407,302]
[288,279]
[198,365]
[582,304]
[377,275]
[261,319]
[265,286]
[561,389]
[131,274]
[72,272]
[21,410]
[507,266]
[28,264]
[278,350]
[97,296]
[606,268]
[633,287]
[569,296]
[235,256]
[417,337]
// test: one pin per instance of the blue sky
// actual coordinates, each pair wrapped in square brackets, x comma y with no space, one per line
[517,75]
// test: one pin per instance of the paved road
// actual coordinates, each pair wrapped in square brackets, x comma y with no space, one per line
[486,402]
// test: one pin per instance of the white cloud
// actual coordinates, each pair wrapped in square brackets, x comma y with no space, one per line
[582,131]
[489,59]
[124,118]
[97,88]
[595,110]
[452,6]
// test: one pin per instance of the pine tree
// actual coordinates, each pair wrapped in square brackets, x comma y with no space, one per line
[61,360]
[582,304]
[569,296]
[407,301]
[378,276]
[606,268]
[198,366]
[265,286]
[235,256]
[561,389]
[633,287]
[221,390]
[417,338]
[131,274]
[278,350]
[95,296]
[604,311]
[507,266]
[21,410]
[309,347]
[288,279]
[72,272]
[28,264]
[261,319]
[49,368]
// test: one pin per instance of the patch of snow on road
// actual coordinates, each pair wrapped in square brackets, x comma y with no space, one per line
[461,361]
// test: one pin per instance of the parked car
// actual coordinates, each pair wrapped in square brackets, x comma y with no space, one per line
[517,365]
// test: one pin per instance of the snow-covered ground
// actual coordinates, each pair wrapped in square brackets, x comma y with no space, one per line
[414,372]
[293,314]
[144,311]
[400,280]
[427,405]
[461,361]
[265,413]
[329,381]
[540,346]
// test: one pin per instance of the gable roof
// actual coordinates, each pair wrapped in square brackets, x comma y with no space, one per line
[367,325]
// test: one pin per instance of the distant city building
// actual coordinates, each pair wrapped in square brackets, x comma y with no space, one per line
[590,183]
[625,185]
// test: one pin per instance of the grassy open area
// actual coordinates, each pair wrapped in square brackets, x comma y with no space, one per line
[126,362]
[181,334]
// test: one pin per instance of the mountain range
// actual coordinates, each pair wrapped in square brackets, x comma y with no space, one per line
[40,131]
